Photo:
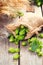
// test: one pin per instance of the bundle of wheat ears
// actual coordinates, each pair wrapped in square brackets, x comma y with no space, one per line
[34,23]
[10,6]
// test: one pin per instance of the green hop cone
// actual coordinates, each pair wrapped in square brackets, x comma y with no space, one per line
[40,53]
[38,50]
[22,32]
[41,35]
[24,44]
[30,49]
[21,37]
[16,57]
[11,39]
[17,50]
[11,50]
[29,40]
[39,3]
[22,27]
[17,31]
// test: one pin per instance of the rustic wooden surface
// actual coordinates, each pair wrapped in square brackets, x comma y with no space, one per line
[26,57]
[5,57]
[29,58]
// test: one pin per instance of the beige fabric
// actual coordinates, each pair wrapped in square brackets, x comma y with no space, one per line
[34,25]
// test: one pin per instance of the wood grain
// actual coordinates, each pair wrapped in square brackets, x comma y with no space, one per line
[5,57]
[26,57]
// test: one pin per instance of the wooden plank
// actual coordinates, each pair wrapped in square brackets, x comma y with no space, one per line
[28,58]
[6,58]
[42,10]
[38,11]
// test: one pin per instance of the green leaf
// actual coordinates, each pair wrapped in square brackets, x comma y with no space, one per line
[35,45]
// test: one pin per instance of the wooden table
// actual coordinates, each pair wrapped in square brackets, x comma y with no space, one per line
[26,57]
